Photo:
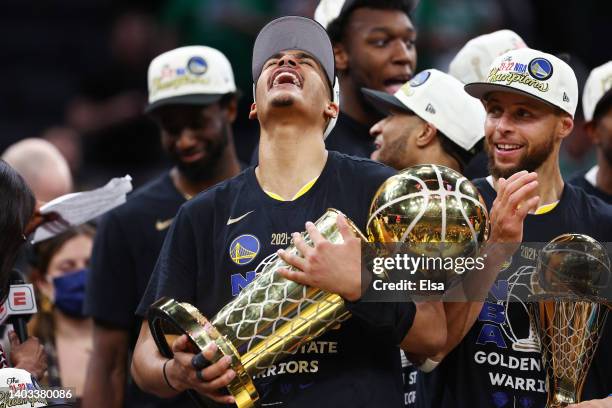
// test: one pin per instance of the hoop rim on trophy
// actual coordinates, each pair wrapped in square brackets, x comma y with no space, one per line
[186,319]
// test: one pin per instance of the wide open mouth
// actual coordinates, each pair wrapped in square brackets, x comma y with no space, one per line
[285,77]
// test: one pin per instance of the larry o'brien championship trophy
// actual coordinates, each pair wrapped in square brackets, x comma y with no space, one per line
[569,308]
[272,317]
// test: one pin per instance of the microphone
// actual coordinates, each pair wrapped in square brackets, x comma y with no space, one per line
[19,306]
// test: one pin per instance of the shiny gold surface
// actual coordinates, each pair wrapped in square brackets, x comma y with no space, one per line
[272,316]
[265,323]
[569,333]
[169,319]
[570,272]
[434,210]
[575,264]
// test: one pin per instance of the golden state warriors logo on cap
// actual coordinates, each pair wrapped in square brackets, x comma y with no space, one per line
[197,65]
[540,68]
[244,249]
[420,78]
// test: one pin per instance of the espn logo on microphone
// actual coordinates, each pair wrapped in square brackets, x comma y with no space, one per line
[20,301]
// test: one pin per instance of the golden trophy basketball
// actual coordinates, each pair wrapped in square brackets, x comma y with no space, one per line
[570,312]
[272,317]
[432,211]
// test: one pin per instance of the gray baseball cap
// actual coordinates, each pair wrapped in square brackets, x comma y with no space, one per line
[293,33]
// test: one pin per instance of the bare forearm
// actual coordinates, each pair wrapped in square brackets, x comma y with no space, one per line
[148,374]
[106,373]
[476,285]
[105,384]
[147,366]
[427,336]
[461,316]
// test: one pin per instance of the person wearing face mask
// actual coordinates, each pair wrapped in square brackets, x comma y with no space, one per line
[59,272]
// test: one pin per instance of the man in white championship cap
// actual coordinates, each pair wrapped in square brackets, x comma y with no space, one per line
[193,99]
[492,357]
[471,64]
[431,119]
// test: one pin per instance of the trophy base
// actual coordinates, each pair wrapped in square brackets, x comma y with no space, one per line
[561,399]
[169,319]
[558,404]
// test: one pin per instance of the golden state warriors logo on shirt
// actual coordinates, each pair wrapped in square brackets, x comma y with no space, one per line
[197,65]
[244,249]
[540,68]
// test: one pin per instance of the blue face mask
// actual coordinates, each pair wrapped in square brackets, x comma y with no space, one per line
[70,293]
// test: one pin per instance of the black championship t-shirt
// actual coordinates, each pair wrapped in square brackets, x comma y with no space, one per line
[126,247]
[215,248]
[498,364]
[585,181]
[409,378]
[350,137]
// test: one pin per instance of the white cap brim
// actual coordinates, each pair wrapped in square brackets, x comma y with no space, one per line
[481,89]
[191,99]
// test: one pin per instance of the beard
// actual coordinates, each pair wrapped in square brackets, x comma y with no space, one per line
[529,162]
[391,154]
[205,168]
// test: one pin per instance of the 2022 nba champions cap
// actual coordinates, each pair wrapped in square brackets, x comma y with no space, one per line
[534,73]
[194,75]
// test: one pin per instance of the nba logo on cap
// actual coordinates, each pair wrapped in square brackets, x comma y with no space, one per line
[244,249]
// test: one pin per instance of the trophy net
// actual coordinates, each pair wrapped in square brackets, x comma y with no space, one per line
[569,333]
[273,317]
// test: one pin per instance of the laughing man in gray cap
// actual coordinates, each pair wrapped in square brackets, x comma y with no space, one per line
[296,180]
